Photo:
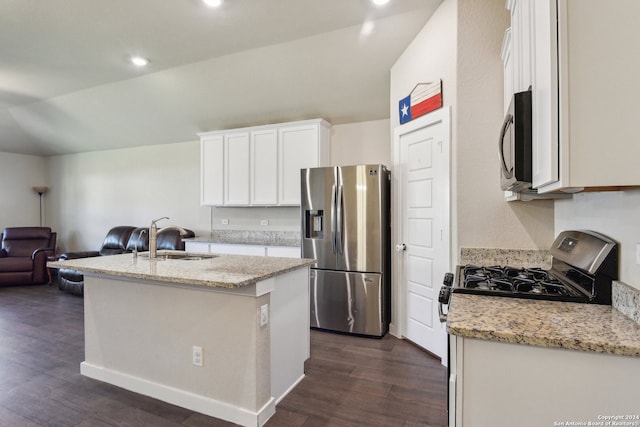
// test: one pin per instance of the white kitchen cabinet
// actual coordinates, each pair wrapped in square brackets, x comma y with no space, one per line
[197,247]
[522,35]
[299,147]
[212,170]
[242,249]
[264,167]
[236,169]
[585,95]
[236,249]
[283,251]
[503,384]
[260,166]
[506,54]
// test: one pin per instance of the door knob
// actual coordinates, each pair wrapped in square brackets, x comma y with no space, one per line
[401,247]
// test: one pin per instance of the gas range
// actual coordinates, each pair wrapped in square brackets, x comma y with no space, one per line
[584,265]
[515,282]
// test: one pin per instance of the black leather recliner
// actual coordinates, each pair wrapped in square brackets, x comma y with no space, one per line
[119,240]
[23,255]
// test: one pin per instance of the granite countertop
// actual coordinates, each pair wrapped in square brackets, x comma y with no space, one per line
[251,237]
[586,327]
[226,271]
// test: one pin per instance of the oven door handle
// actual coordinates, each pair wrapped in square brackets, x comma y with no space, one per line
[442,314]
[443,298]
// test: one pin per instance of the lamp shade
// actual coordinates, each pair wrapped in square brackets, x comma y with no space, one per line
[41,190]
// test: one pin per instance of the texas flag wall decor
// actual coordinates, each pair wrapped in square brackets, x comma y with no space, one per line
[423,99]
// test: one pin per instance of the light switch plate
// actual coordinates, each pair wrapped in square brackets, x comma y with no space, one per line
[197,356]
[264,315]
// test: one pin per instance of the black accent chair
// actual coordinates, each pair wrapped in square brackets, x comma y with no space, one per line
[24,254]
[119,240]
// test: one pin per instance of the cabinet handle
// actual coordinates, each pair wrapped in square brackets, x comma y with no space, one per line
[507,121]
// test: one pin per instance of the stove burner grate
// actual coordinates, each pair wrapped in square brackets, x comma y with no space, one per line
[516,282]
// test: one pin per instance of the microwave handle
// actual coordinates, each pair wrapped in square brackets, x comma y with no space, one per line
[507,120]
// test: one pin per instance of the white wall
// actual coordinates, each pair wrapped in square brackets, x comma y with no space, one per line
[19,173]
[429,57]
[92,192]
[461,45]
[615,214]
[483,217]
[361,143]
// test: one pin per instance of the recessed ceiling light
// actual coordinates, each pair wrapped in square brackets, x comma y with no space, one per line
[380,2]
[367,28]
[139,61]
[212,3]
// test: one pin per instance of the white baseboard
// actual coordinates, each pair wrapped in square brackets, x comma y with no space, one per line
[287,391]
[393,330]
[185,399]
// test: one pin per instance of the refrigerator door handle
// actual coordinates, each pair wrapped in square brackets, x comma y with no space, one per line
[339,225]
[333,218]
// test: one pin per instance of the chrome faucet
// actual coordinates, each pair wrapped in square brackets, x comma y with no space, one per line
[153,235]
[135,248]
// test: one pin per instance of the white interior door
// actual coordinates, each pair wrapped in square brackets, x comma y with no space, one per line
[423,169]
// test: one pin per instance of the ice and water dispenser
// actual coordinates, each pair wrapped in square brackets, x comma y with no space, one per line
[314,224]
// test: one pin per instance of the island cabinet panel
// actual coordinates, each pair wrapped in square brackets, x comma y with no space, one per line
[505,384]
[578,59]
[140,335]
[261,164]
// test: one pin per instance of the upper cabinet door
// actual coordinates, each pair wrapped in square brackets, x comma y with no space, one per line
[236,169]
[506,54]
[545,149]
[522,27]
[298,148]
[211,170]
[264,167]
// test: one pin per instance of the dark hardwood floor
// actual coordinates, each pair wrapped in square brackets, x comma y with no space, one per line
[349,381]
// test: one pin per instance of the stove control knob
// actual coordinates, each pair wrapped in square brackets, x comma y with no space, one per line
[448,279]
[444,295]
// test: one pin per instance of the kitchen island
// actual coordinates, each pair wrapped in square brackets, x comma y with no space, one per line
[223,335]
[541,363]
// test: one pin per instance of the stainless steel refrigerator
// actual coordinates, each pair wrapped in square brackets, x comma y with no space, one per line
[346,229]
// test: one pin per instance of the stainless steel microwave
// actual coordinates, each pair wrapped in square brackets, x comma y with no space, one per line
[514,146]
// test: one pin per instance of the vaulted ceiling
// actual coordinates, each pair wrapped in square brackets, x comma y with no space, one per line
[66,85]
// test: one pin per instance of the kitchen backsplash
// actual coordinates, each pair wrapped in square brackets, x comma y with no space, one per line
[510,257]
[627,300]
[253,237]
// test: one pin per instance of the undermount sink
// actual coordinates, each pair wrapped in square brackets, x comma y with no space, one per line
[183,256]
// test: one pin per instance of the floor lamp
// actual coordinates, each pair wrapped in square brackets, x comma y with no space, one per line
[40,191]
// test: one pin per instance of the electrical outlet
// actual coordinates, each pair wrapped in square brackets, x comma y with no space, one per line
[264,315]
[197,356]
[224,221]
[264,222]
